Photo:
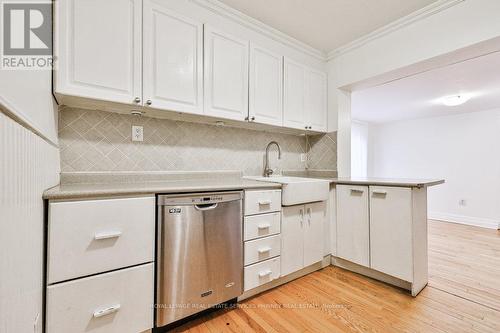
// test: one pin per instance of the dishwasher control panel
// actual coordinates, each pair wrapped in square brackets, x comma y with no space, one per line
[199,199]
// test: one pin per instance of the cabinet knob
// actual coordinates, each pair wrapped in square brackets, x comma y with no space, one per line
[137,100]
[252,119]
[246,118]
[149,102]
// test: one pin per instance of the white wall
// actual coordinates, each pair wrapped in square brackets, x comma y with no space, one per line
[359,149]
[29,164]
[441,31]
[462,149]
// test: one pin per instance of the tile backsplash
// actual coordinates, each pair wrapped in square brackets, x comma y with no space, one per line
[323,152]
[101,141]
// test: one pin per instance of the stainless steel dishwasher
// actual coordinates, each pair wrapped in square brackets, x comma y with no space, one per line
[199,253]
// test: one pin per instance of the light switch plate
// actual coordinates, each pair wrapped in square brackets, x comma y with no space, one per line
[137,133]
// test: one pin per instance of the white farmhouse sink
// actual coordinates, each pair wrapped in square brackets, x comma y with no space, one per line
[297,190]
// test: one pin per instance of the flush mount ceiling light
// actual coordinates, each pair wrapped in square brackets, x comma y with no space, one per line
[455,100]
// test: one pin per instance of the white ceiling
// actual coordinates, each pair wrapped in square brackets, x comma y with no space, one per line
[327,24]
[419,96]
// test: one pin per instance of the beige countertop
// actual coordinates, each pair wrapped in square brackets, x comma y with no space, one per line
[397,182]
[91,185]
[91,190]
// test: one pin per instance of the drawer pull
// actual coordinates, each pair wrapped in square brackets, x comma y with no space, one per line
[264,202]
[265,273]
[107,235]
[355,190]
[263,226]
[106,311]
[264,250]
[380,192]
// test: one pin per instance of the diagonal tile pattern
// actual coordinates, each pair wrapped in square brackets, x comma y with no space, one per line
[101,141]
[323,152]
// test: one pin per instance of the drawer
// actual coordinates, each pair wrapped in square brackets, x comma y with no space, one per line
[261,273]
[258,202]
[116,302]
[94,236]
[262,249]
[261,225]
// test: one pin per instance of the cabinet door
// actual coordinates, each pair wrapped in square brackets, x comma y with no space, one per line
[353,240]
[173,60]
[294,95]
[292,239]
[332,214]
[316,100]
[226,75]
[98,47]
[391,231]
[266,81]
[314,226]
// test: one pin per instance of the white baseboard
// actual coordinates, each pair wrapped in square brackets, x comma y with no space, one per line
[468,220]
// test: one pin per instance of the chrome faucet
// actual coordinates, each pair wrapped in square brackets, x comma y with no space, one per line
[267,170]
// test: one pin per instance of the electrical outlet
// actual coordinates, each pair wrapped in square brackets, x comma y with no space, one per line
[462,202]
[303,157]
[137,133]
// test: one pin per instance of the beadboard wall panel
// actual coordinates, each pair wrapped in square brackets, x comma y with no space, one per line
[28,166]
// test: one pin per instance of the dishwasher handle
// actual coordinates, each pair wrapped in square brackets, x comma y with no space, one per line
[206,207]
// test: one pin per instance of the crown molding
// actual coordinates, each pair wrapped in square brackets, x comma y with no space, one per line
[416,16]
[224,10]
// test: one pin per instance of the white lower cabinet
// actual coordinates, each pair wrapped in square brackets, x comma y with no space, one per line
[302,236]
[314,225]
[385,229]
[100,275]
[262,238]
[94,236]
[261,202]
[353,226]
[292,241]
[116,302]
[262,225]
[391,231]
[261,273]
[262,249]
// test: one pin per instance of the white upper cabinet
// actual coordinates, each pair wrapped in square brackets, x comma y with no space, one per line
[226,75]
[266,82]
[294,95]
[155,54]
[173,60]
[98,48]
[305,97]
[316,100]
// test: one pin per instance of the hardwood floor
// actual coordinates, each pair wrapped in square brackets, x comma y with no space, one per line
[463,295]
